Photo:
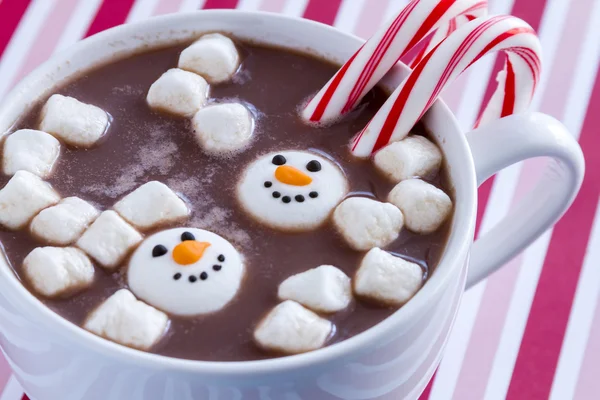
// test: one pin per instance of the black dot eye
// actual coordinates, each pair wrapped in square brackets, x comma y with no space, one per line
[159,250]
[313,166]
[185,236]
[221,258]
[279,160]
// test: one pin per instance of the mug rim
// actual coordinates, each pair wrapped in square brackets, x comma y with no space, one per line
[459,241]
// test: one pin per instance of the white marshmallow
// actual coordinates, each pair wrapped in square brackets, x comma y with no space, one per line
[151,205]
[127,321]
[323,289]
[367,223]
[77,123]
[55,271]
[109,239]
[223,128]
[290,328]
[64,223]
[24,196]
[414,156]
[194,287]
[30,150]
[425,207]
[213,56]
[387,279]
[178,92]
[269,191]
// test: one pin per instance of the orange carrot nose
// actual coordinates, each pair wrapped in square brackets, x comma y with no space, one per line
[292,176]
[189,252]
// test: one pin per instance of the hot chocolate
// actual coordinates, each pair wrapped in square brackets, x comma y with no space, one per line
[193,195]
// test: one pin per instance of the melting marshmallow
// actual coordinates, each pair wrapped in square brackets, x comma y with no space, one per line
[213,56]
[22,198]
[72,121]
[30,150]
[186,271]
[53,271]
[151,205]
[63,223]
[290,328]
[109,239]
[127,321]
[425,207]
[323,289]
[365,223]
[414,156]
[223,128]
[387,279]
[178,92]
[291,190]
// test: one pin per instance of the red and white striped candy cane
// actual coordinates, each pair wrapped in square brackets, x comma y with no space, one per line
[379,54]
[444,63]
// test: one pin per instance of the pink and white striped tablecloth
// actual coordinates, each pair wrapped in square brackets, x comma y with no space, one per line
[531,331]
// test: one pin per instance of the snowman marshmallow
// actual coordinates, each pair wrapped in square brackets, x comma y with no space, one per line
[186,271]
[291,190]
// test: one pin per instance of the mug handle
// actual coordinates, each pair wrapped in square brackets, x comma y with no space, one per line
[509,140]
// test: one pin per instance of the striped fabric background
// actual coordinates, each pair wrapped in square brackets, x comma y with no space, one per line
[531,331]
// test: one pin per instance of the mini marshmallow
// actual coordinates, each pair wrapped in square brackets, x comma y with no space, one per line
[291,190]
[77,123]
[30,150]
[414,156]
[223,128]
[178,92]
[213,56]
[109,239]
[127,321]
[63,223]
[290,328]
[151,205]
[425,207]
[323,289]
[387,279]
[53,271]
[365,223]
[23,197]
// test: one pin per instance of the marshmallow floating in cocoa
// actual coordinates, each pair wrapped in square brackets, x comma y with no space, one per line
[151,205]
[186,271]
[109,239]
[23,197]
[64,223]
[411,157]
[76,123]
[178,92]
[323,289]
[54,271]
[223,128]
[291,190]
[425,207]
[366,223]
[387,279]
[30,150]
[290,328]
[127,321]
[213,56]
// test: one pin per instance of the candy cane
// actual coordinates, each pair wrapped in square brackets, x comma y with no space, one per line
[444,63]
[379,54]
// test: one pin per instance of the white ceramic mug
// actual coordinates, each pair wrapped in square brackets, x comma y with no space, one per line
[54,359]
